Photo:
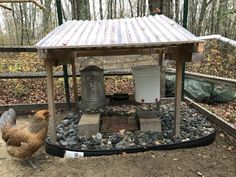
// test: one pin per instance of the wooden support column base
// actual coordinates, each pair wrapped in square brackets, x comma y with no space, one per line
[51,104]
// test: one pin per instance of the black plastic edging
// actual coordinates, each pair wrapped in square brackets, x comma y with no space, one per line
[59,151]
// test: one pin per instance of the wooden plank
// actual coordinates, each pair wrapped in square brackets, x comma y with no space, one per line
[162,74]
[220,38]
[60,57]
[209,78]
[117,52]
[227,127]
[182,51]
[75,88]
[197,57]
[28,108]
[196,76]
[28,75]
[36,75]
[18,49]
[171,53]
[199,47]
[51,104]
[178,96]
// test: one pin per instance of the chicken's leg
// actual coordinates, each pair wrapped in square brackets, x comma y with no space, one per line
[31,163]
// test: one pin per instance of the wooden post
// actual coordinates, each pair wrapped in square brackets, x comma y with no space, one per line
[158,104]
[162,74]
[51,104]
[74,84]
[178,96]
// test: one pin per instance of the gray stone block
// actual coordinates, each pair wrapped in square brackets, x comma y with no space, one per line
[89,124]
[149,121]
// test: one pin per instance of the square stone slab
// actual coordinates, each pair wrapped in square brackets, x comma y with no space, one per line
[149,121]
[89,124]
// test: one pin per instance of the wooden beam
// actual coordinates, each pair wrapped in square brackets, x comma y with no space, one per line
[184,52]
[117,52]
[5,7]
[75,88]
[199,47]
[37,75]
[227,127]
[23,1]
[162,74]
[18,49]
[51,104]
[171,53]
[209,78]
[178,96]
[28,108]
[57,57]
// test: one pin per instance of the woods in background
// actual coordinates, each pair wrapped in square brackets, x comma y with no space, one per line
[25,24]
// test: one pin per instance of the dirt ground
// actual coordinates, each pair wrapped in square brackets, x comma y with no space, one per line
[215,160]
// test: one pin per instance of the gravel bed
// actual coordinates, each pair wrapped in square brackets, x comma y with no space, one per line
[193,126]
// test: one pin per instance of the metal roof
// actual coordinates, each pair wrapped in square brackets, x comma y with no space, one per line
[129,32]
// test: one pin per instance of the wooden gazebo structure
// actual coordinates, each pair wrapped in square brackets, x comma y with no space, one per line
[143,35]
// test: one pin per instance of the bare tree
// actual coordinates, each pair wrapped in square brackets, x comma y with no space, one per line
[46,15]
[204,6]
[100,9]
[177,11]
[131,9]
[80,9]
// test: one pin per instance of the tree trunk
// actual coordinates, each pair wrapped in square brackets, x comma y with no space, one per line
[94,11]
[46,16]
[219,14]
[80,10]
[131,9]
[177,11]
[193,13]
[22,26]
[26,24]
[144,8]
[15,24]
[111,9]
[201,16]
[212,25]
[115,9]
[100,9]
[138,8]
[167,8]
[121,8]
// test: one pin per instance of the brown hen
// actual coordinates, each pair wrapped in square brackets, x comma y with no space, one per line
[23,142]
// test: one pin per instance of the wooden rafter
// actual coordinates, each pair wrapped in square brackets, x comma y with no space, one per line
[5,7]
[21,1]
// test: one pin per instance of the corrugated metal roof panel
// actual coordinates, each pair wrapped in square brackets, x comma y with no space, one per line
[135,32]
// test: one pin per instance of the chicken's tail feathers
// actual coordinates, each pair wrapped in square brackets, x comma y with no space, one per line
[8,118]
